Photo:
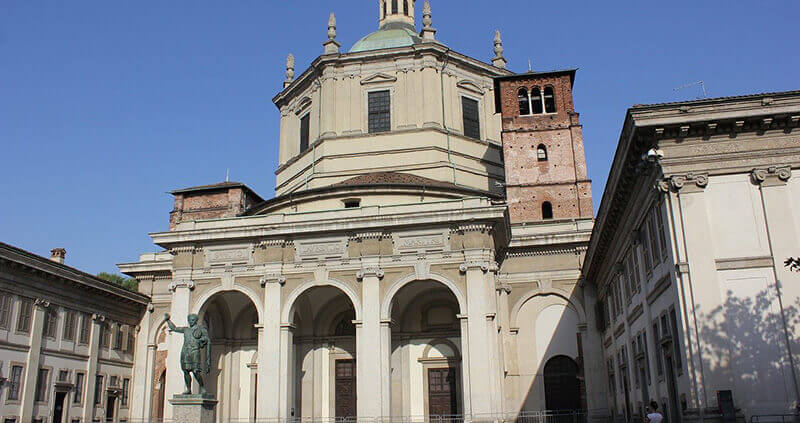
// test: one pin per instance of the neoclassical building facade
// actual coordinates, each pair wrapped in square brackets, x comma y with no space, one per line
[421,256]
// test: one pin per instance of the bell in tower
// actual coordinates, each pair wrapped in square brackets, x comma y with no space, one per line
[396,14]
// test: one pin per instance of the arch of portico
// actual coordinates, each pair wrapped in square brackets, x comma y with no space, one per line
[423,318]
[318,338]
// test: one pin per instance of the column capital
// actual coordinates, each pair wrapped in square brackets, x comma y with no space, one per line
[370,272]
[503,288]
[482,265]
[677,182]
[98,318]
[272,278]
[182,283]
[43,304]
[782,173]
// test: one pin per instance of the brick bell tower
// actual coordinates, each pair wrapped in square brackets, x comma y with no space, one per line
[545,164]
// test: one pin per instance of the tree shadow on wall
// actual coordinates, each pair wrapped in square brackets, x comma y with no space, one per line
[743,343]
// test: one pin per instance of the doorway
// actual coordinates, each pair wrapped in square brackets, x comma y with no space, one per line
[442,399]
[58,407]
[561,384]
[673,415]
[345,390]
[111,406]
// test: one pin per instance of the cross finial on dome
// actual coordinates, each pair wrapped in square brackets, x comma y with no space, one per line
[498,60]
[331,46]
[289,70]
[428,31]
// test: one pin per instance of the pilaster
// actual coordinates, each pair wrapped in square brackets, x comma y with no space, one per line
[479,273]
[701,275]
[179,312]
[783,242]
[33,359]
[91,367]
[369,346]
[271,353]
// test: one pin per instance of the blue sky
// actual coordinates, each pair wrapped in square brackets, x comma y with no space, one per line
[105,106]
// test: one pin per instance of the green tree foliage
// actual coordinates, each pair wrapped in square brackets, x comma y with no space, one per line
[130,284]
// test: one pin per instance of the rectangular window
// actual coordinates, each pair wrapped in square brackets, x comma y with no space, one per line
[656,340]
[304,132]
[633,275]
[41,386]
[118,337]
[78,397]
[105,335]
[63,375]
[648,261]
[86,327]
[5,310]
[112,381]
[646,356]
[69,325]
[472,124]
[626,283]
[676,346]
[662,235]
[98,389]
[379,112]
[654,242]
[15,382]
[25,312]
[125,386]
[50,322]
[9,420]
[636,270]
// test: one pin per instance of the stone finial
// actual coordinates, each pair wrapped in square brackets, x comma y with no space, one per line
[289,71]
[332,27]
[428,31]
[498,60]
[331,46]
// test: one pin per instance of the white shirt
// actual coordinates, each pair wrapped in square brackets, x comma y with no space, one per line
[655,417]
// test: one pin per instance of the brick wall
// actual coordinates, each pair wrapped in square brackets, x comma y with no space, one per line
[562,179]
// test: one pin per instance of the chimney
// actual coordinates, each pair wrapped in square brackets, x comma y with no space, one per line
[58,255]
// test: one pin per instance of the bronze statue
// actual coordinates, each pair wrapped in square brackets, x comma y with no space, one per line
[195,339]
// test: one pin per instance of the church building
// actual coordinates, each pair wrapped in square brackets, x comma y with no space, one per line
[421,257]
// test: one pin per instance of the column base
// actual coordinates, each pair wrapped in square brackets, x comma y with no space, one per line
[194,408]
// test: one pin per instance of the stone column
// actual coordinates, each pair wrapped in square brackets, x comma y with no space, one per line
[386,368]
[27,398]
[594,367]
[782,230]
[179,312]
[369,347]
[271,351]
[91,367]
[481,352]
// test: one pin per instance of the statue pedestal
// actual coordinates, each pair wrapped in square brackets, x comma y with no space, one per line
[195,408]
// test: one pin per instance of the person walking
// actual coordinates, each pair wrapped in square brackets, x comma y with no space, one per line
[653,416]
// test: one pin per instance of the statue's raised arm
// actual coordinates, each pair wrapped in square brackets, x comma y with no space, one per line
[171,325]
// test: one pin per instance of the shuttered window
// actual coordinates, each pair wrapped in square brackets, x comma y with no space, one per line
[25,312]
[5,310]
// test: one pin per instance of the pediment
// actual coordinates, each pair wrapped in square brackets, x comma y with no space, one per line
[302,104]
[378,78]
[470,86]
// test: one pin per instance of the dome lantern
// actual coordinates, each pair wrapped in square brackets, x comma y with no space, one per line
[396,13]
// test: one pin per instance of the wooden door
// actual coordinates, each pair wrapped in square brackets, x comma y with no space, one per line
[442,392]
[345,389]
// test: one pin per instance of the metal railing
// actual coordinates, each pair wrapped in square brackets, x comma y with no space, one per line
[775,418]
[576,416]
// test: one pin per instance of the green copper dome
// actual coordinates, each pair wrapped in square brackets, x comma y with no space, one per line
[387,37]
